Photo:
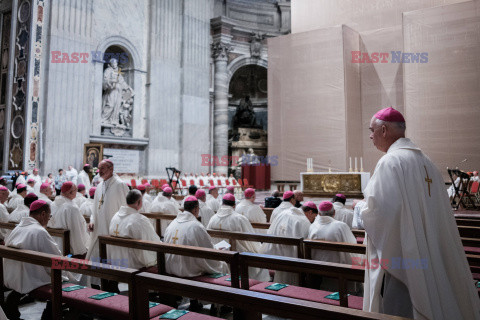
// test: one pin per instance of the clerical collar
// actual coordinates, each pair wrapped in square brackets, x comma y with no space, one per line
[325,219]
[403,143]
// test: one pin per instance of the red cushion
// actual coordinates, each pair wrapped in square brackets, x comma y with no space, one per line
[354,302]
[115,307]
[360,240]
[222,280]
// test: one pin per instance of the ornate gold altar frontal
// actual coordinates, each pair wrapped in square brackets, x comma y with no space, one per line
[331,184]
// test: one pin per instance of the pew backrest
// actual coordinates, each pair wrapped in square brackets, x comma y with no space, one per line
[57,263]
[64,234]
[233,236]
[468,222]
[268,212]
[162,248]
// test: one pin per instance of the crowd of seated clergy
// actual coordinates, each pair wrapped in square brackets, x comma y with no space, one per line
[292,219]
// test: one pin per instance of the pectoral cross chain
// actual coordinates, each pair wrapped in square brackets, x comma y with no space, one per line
[428,181]
[175,238]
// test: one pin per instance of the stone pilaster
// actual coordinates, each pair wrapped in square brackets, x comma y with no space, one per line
[220,50]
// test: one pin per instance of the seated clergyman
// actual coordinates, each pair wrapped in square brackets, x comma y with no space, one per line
[129,223]
[68,216]
[187,230]
[23,277]
[22,209]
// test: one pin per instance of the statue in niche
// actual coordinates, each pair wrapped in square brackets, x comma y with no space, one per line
[117,99]
[245,116]
[256,45]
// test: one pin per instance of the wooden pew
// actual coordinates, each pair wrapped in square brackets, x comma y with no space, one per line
[310,245]
[342,272]
[158,217]
[469,232]
[61,233]
[468,222]
[251,304]
[124,275]
[233,236]
[257,225]
[268,212]
[161,248]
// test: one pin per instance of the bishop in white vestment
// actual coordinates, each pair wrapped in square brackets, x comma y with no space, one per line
[290,223]
[341,212]
[67,216]
[410,224]
[187,230]
[205,212]
[213,200]
[37,180]
[45,193]
[129,223]
[287,204]
[84,177]
[86,209]
[250,210]
[109,197]
[22,210]
[165,206]
[23,277]
[80,196]
[227,219]
[327,228]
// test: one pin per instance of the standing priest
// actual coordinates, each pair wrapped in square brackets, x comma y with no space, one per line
[109,197]
[409,222]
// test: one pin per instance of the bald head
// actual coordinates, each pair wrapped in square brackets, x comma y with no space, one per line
[384,133]
[298,195]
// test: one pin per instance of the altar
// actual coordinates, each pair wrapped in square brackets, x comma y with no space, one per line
[325,184]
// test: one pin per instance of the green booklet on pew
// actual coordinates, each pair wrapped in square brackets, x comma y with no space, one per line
[103,295]
[152,304]
[73,288]
[216,275]
[334,296]
[173,314]
[276,286]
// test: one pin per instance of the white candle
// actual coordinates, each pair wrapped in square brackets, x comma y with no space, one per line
[356,164]
[361,163]
[350,168]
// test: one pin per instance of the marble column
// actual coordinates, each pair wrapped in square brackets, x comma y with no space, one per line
[220,50]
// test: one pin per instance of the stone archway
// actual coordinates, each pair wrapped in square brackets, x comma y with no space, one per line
[247,111]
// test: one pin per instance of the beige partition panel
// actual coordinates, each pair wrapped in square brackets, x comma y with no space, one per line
[306,102]
[442,96]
